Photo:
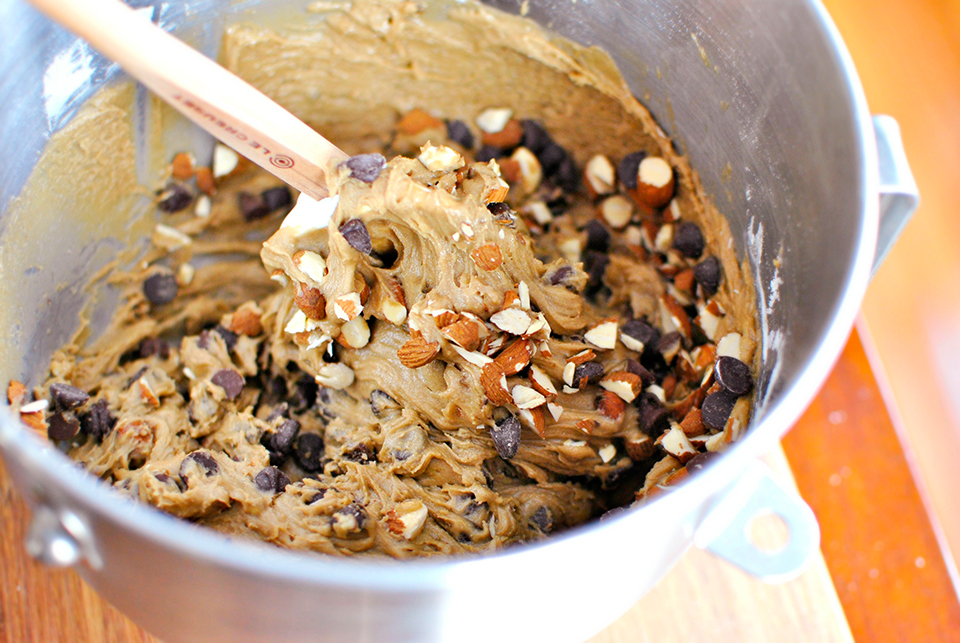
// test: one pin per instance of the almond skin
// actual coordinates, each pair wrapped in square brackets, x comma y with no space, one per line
[610,405]
[16,392]
[507,138]
[247,322]
[494,385]
[464,333]
[488,256]
[515,357]
[310,301]
[417,351]
[417,120]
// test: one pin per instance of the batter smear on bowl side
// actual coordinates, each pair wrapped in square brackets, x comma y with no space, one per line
[530,315]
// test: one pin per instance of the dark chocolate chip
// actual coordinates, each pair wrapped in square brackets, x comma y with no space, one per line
[252,206]
[627,169]
[355,233]
[535,138]
[595,263]
[230,381]
[320,493]
[598,236]
[98,421]
[552,158]
[174,198]
[154,346]
[229,337]
[168,480]
[707,274]
[271,479]
[160,288]
[669,344]
[716,409]
[566,177]
[701,460]
[362,453]
[642,332]
[587,373]
[542,518]
[276,198]
[198,462]
[733,375]
[308,451]
[653,416]
[459,132]
[688,239]
[502,214]
[381,403]
[66,397]
[282,439]
[355,510]
[559,276]
[506,436]
[304,394]
[487,153]
[366,167]
[136,376]
[62,426]
[646,377]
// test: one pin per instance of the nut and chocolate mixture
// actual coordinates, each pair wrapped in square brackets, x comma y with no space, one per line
[476,343]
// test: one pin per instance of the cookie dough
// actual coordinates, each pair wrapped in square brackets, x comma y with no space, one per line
[532,318]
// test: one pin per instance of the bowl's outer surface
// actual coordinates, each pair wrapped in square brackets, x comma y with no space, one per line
[763,98]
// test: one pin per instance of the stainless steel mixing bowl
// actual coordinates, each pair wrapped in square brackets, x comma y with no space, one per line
[762,96]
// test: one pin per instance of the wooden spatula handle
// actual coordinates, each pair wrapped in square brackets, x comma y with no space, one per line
[206,93]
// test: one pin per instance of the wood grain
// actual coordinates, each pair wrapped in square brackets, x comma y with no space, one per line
[877,539]
[907,53]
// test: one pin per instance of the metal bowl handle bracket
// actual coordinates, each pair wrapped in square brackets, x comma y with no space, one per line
[899,196]
[725,530]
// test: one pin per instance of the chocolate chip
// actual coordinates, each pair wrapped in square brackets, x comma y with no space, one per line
[66,397]
[717,408]
[320,493]
[627,169]
[356,511]
[282,439]
[707,274]
[535,138]
[646,377]
[136,376]
[160,288]
[542,518]
[559,276]
[487,153]
[307,451]
[587,373]
[366,167]
[230,381]
[653,416]
[198,463]
[506,436]
[356,234]
[98,421]
[566,176]
[271,479]
[733,375]
[669,344]
[595,263]
[174,198]
[229,337]
[552,158]
[62,426]
[642,332]
[362,453]
[252,206]
[459,132]
[381,403]
[701,460]
[154,346]
[276,198]
[502,214]
[304,394]
[689,240]
[598,236]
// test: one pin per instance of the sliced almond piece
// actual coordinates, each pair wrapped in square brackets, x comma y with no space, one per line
[494,119]
[515,357]
[417,351]
[526,397]
[394,312]
[463,332]
[147,394]
[729,345]
[206,184]
[335,376]
[534,418]
[626,385]
[542,382]
[611,405]
[37,406]
[310,301]
[311,264]
[494,384]
[672,313]
[600,176]
[616,211]
[355,333]
[444,317]
[555,410]
[603,335]
[488,256]
[531,173]
[511,320]
[607,452]
[582,357]
[473,357]
[407,519]
[347,307]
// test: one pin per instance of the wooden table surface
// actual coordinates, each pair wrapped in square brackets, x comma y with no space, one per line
[847,454]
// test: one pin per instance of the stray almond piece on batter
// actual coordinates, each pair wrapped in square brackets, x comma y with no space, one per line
[205,181]
[542,382]
[444,317]
[624,384]
[16,392]
[37,422]
[655,182]
[506,138]
[488,256]
[611,405]
[616,211]
[684,281]
[310,301]
[515,357]
[692,424]
[183,165]
[535,419]
[246,322]
[147,394]
[603,335]
[464,333]
[417,351]
[494,384]
[582,357]
[599,176]
[417,120]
